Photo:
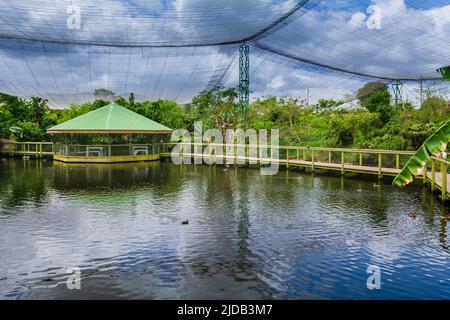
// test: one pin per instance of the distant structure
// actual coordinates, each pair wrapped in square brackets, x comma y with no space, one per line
[108,134]
[445,73]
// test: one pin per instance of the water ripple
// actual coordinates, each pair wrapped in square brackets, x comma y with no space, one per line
[288,236]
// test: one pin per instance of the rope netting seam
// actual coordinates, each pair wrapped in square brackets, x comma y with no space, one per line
[318,64]
[259,34]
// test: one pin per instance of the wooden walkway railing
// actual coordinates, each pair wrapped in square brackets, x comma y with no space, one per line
[437,176]
[36,149]
[378,162]
[366,161]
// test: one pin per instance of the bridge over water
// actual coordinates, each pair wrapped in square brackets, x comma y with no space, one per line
[361,161]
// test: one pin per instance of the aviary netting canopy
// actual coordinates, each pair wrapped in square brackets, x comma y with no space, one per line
[175,49]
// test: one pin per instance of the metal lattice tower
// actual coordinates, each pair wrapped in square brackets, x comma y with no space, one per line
[397,90]
[244,75]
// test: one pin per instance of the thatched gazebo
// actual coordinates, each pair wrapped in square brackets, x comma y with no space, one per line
[108,134]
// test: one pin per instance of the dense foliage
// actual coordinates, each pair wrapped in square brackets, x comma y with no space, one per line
[376,123]
[26,120]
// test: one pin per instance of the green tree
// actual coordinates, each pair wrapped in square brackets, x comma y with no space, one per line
[375,97]
[39,112]
[131,100]
[352,127]
[364,94]
[327,104]
[219,108]
[75,110]
[104,94]
[166,112]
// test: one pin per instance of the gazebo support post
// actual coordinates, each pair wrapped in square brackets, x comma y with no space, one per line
[109,144]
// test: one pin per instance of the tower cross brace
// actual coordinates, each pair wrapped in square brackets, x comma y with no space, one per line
[397,90]
[244,75]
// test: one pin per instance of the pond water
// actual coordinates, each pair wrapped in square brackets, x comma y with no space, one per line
[293,235]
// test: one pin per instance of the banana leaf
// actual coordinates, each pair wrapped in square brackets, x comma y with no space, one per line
[433,146]
[445,73]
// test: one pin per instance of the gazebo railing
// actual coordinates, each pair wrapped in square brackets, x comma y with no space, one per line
[102,150]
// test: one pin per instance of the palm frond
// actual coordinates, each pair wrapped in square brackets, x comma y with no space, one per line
[435,145]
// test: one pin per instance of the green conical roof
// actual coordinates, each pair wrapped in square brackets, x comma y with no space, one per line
[110,119]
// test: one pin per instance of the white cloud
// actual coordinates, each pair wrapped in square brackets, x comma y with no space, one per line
[410,43]
[358,19]
[277,82]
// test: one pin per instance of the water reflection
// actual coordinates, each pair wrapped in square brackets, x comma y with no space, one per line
[293,235]
[23,182]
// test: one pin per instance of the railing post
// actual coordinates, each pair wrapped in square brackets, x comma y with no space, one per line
[287,158]
[298,154]
[329,156]
[433,174]
[380,166]
[248,154]
[397,161]
[360,159]
[312,160]
[424,173]
[444,180]
[304,154]
[342,163]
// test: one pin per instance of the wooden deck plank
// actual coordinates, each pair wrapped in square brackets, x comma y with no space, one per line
[438,180]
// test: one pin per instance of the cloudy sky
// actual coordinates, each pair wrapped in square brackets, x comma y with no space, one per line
[65,49]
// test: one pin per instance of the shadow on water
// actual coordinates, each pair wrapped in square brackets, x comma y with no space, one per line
[430,206]
[23,182]
[121,176]
[293,235]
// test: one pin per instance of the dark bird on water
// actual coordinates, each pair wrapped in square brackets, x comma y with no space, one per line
[185,222]
[413,214]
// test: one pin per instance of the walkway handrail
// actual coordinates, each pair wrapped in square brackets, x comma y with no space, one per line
[442,184]
[440,160]
[305,153]
[306,148]
[367,151]
[106,145]
[38,143]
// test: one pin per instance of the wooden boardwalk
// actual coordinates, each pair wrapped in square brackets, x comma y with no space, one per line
[431,176]
[436,179]
[34,149]
[314,158]
[313,165]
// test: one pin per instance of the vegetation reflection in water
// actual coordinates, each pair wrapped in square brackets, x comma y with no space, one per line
[293,235]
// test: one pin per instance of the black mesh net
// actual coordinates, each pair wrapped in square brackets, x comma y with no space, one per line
[66,50]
